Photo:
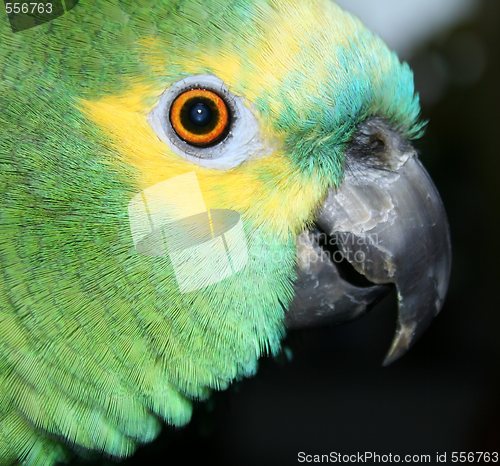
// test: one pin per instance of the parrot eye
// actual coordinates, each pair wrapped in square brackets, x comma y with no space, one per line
[203,122]
[200,117]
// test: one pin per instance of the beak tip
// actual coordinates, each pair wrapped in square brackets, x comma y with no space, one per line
[411,325]
[394,355]
[403,341]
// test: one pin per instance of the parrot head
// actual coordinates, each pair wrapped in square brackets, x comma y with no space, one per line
[180,178]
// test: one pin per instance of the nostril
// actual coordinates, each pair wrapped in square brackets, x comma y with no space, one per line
[377,143]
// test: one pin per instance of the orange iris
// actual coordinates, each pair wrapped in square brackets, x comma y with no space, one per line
[200,117]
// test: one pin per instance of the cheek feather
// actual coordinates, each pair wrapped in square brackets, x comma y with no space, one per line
[267,191]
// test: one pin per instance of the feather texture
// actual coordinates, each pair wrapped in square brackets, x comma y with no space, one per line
[97,344]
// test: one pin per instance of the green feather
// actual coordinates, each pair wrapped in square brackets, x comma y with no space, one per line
[96,342]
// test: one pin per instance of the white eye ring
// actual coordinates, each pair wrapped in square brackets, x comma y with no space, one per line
[241,143]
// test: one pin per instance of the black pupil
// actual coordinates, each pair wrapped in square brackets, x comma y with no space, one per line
[199,115]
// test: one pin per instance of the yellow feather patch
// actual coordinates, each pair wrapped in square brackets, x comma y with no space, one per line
[288,28]
[284,204]
[268,191]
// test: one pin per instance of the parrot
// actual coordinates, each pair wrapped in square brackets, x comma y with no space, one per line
[184,182]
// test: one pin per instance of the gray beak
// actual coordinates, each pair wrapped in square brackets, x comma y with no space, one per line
[384,226]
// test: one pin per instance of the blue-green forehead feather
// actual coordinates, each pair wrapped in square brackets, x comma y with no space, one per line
[360,85]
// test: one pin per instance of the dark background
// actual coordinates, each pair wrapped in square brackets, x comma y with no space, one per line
[334,395]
